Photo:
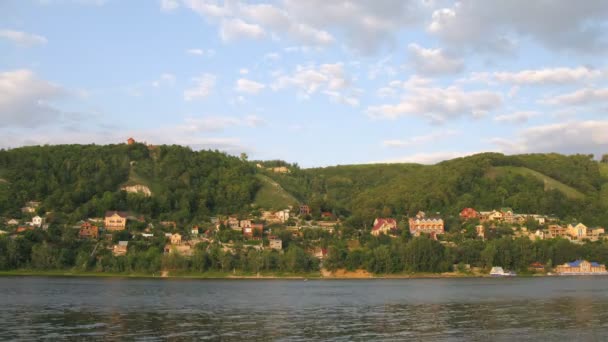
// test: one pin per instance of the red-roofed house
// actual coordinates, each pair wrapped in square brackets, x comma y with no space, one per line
[130,141]
[469,214]
[88,231]
[384,226]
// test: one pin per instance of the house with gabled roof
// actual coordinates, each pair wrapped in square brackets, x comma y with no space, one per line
[115,220]
[384,226]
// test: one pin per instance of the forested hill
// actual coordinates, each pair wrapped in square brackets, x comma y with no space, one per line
[79,181]
[569,187]
[85,180]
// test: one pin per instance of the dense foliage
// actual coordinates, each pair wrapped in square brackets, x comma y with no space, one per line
[85,180]
[483,181]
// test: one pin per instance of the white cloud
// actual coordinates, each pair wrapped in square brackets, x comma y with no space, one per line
[164,79]
[203,86]
[545,76]
[566,137]
[419,140]
[330,79]
[427,158]
[195,52]
[23,39]
[438,104]
[496,25]
[219,123]
[243,71]
[234,29]
[247,86]
[579,97]
[366,25]
[25,100]
[433,61]
[169,5]
[519,117]
[272,56]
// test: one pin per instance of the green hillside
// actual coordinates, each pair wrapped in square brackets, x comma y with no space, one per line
[604,170]
[271,194]
[550,183]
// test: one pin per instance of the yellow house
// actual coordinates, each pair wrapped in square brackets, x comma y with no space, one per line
[577,232]
[115,220]
[176,239]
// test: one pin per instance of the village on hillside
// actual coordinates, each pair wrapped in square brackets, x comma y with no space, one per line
[266,230]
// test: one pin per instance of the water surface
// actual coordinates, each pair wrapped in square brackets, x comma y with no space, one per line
[514,309]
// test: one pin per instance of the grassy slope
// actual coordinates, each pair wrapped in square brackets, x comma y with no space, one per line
[135,178]
[549,182]
[272,195]
[604,189]
[604,170]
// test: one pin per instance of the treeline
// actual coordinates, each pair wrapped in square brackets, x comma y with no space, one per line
[79,181]
[59,249]
[385,255]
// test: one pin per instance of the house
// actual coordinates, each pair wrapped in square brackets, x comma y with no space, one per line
[245,223]
[256,230]
[233,223]
[30,207]
[88,231]
[384,226]
[37,221]
[147,235]
[577,232]
[493,215]
[130,141]
[283,215]
[279,169]
[120,248]
[580,267]
[194,231]
[304,210]
[320,253]
[12,222]
[22,229]
[468,214]
[507,215]
[327,215]
[427,225]
[275,243]
[115,220]
[169,224]
[481,231]
[3,232]
[176,239]
[183,249]
[555,231]
[536,267]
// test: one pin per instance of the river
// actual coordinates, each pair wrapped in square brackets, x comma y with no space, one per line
[509,309]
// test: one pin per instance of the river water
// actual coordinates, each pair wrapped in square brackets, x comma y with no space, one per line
[513,309]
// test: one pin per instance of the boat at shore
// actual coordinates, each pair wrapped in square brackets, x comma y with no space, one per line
[498,271]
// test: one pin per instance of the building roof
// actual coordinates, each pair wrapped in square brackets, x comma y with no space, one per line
[123,243]
[382,221]
[119,213]
[577,263]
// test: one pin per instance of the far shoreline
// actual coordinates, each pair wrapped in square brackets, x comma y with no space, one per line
[232,276]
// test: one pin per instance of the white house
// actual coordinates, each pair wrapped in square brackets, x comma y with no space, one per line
[37,221]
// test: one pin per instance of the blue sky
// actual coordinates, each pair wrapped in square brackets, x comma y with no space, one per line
[313,82]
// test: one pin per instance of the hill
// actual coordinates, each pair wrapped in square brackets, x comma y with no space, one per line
[85,180]
[271,194]
[565,186]
[550,183]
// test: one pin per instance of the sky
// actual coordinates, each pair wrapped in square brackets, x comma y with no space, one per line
[314,82]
